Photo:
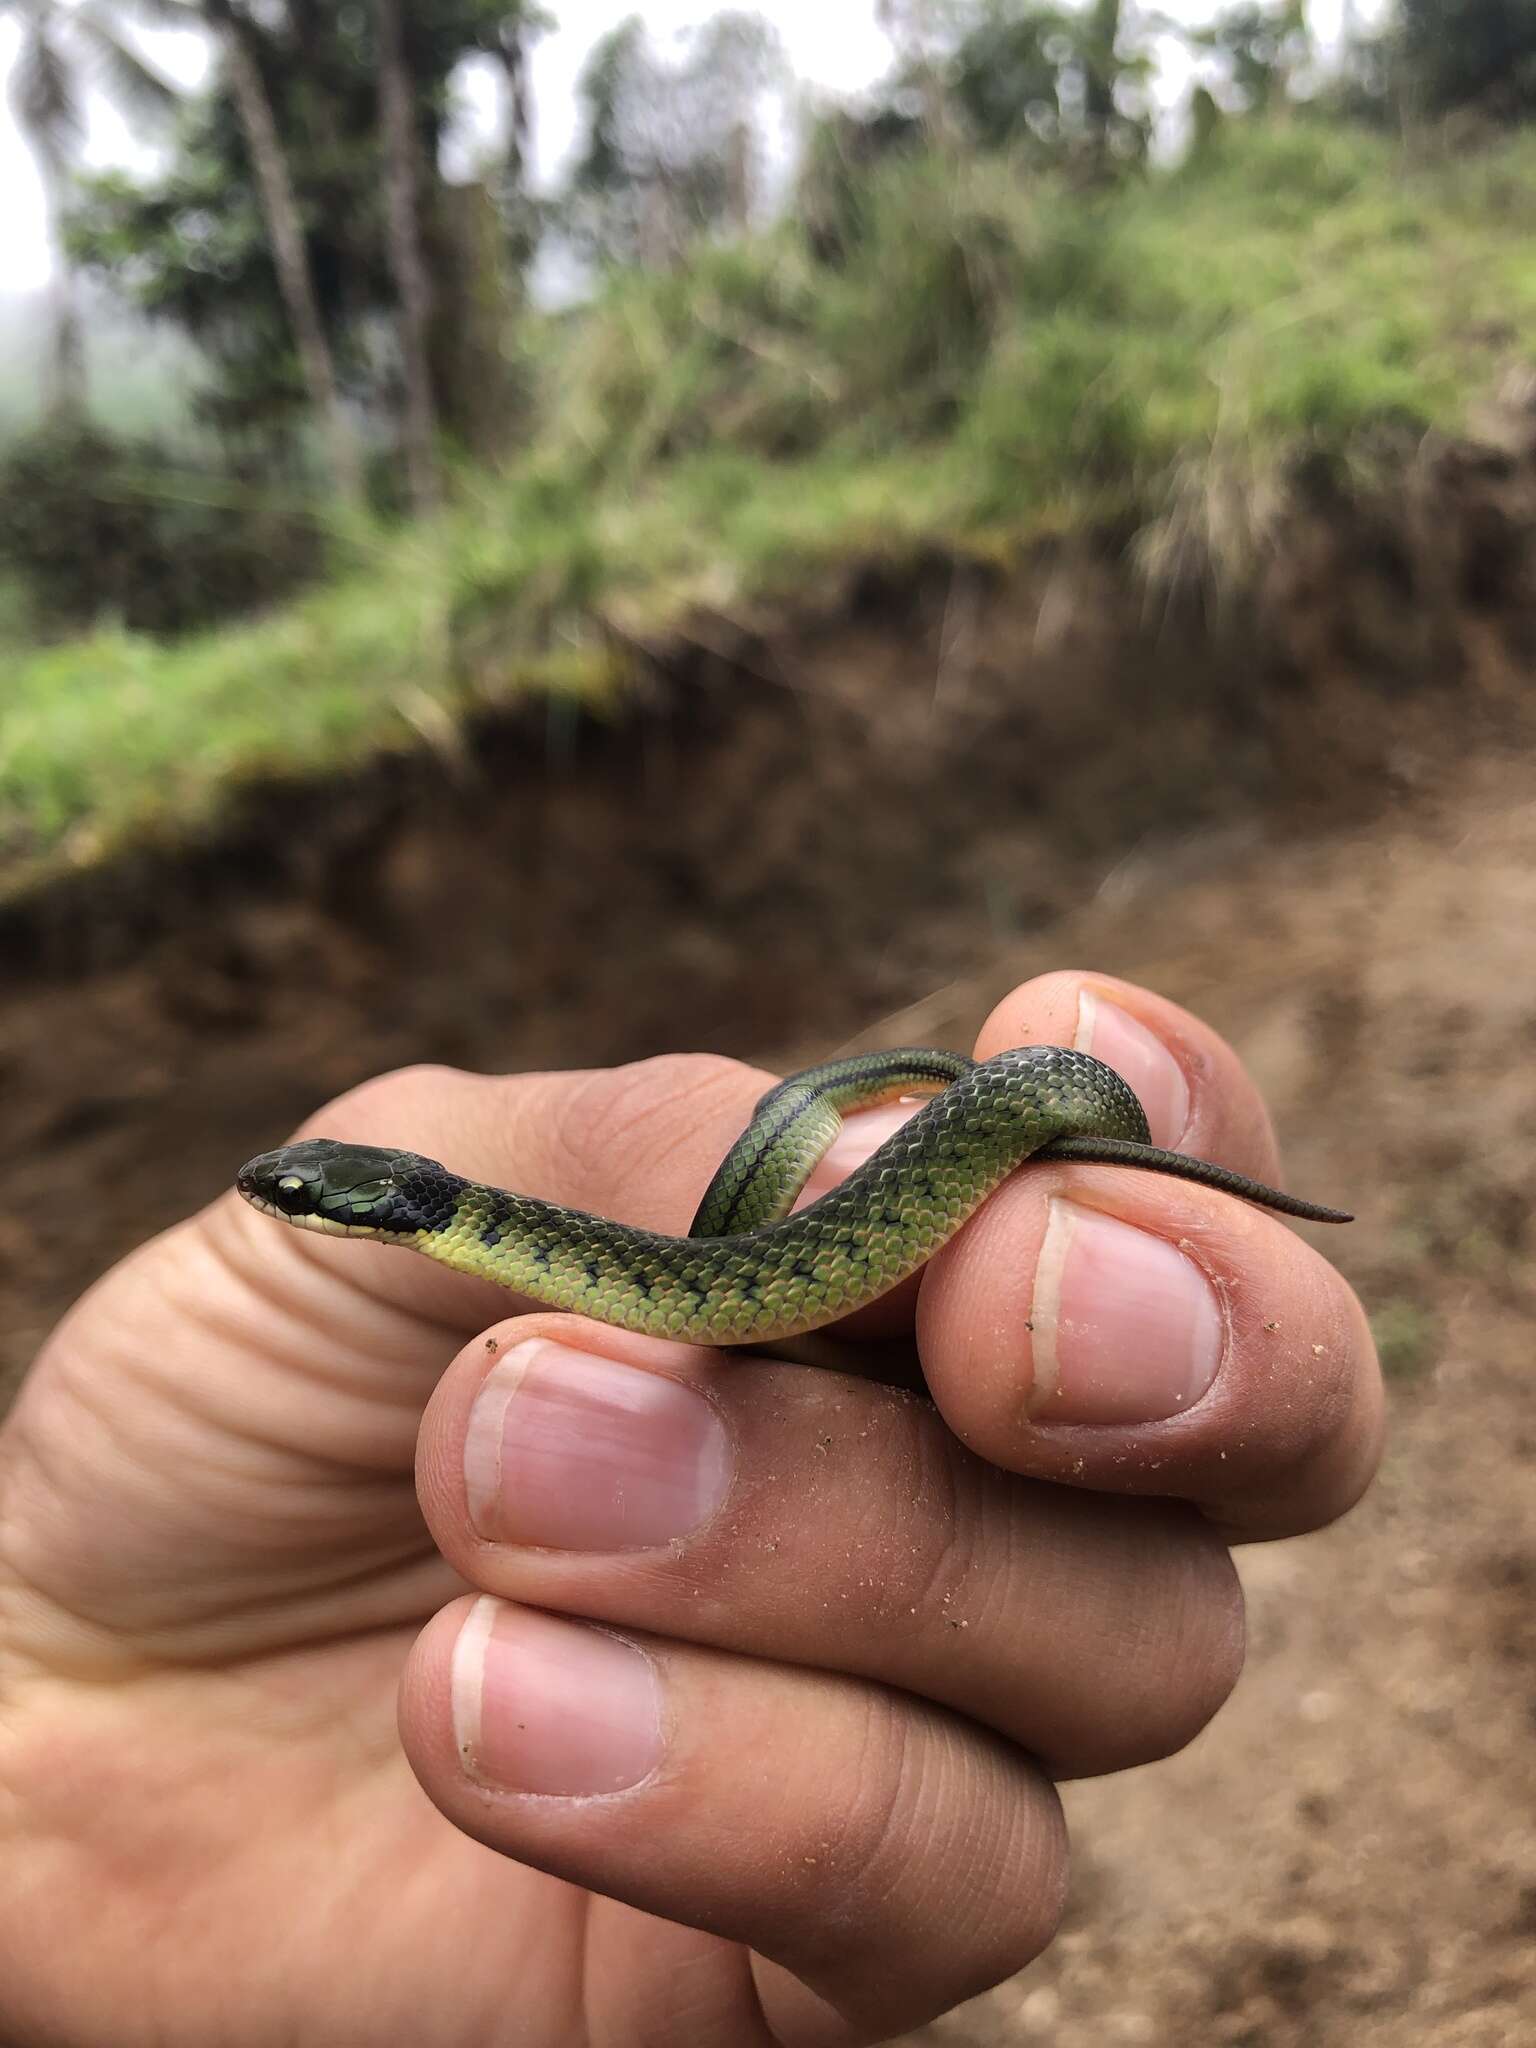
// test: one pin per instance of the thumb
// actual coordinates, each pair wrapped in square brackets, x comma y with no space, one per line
[214,1451]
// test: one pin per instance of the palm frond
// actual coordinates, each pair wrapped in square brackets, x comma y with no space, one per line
[124,76]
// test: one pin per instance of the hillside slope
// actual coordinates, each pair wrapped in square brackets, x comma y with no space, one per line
[995,362]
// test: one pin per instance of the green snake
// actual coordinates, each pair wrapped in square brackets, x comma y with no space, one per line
[750,1270]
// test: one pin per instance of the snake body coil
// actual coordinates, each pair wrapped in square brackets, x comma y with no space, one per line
[750,1271]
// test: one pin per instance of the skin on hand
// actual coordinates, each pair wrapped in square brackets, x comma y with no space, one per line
[733,1691]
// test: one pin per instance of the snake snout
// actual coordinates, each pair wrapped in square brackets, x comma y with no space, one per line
[323,1181]
[285,1183]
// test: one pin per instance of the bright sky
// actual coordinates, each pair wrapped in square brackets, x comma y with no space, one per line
[832,43]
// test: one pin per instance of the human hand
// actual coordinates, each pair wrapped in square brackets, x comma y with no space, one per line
[795,1786]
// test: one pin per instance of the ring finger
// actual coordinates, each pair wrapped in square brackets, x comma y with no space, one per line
[815,1819]
[825,1521]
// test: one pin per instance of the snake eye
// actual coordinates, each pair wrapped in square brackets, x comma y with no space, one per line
[291,1193]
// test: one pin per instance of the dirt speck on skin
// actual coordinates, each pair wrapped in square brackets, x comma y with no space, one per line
[1345,1859]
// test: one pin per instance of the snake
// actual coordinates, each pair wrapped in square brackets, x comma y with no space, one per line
[752,1267]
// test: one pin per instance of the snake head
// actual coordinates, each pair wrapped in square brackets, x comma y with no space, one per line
[320,1184]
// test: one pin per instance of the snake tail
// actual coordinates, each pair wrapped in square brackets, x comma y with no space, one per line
[1122,1152]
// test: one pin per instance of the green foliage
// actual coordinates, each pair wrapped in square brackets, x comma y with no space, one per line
[1405,1335]
[1059,81]
[99,731]
[1045,87]
[1261,46]
[191,250]
[724,350]
[1476,54]
[1061,415]
[1286,283]
[989,359]
[945,256]
[1469,61]
[667,152]
[1291,170]
[756,346]
[840,150]
[603,165]
[1050,82]
[100,526]
[189,246]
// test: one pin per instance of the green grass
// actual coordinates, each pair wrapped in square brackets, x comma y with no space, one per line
[119,734]
[1406,1336]
[998,356]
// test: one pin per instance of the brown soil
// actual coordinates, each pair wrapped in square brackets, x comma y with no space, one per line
[1347,1856]
[1346,1859]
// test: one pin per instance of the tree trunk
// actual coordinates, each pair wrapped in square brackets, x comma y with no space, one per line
[511,52]
[407,259]
[738,177]
[65,397]
[285,233]
[915,29]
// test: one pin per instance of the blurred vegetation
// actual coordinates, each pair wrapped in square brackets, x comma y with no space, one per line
[985,360]
[1406,1336]
[98,525]
[987,315]
[292,126]
[60,50]
[138,377]
[669,148]
[1469,57]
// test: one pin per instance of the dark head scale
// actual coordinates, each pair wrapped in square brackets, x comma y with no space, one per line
[328,1185]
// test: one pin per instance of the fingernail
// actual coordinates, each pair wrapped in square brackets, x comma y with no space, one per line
[1124,1328]
[571,1451]
[546,1705]
[1121,1041]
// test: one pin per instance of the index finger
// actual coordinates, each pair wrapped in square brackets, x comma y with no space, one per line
[1111,1328]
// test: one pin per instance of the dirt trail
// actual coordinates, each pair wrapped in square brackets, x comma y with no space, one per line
[1347,1857]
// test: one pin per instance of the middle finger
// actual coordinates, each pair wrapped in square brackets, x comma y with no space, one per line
[827,1521]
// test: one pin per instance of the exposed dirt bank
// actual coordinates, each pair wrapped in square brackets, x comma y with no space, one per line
[937,736]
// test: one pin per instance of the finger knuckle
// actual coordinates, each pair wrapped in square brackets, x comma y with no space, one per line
[373,1105]
[939,1824]
[620,1124]
[1186,1650]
